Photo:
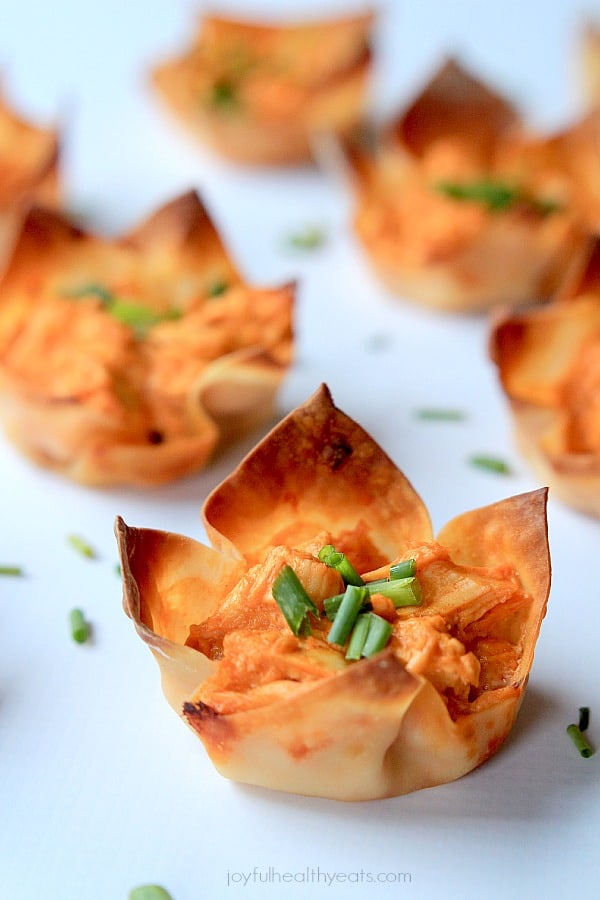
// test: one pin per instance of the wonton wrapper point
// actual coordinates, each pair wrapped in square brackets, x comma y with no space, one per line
[82,393]
[256,93]
[29,172]
[372,729]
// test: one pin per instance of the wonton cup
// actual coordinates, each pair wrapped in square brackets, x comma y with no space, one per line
[350,730]
[256,93]
[463,253]
[548,363]
[28,172]
[129,361]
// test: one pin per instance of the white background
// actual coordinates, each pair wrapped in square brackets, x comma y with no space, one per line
[101,786]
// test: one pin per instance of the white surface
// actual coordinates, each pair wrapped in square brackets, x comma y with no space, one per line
[101,787]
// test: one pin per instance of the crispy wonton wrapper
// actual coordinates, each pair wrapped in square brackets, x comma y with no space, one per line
[256,93]
[350,731]
[506,238]
[129,361]
[29,172]
[548,363]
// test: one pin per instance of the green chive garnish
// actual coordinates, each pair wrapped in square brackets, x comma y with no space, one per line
[90,289]
[358,637]
[11,570]
[293,601]
[81,546]
[584,718]
[405,569]
[379,633]
[347,613]
[223,94]
[309,238]
[402,592]
[139,318]
[339,561]
[491,463]
[580,741]
[440,415]
[497,196]
[149,892]
[80,629]
[217,288]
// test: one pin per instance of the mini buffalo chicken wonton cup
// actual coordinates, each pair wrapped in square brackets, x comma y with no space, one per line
[548,362]
[130,361]
[458,207]
[29,157]
[286,709]
[256,93]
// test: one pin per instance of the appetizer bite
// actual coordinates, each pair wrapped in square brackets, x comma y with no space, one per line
[548,363]
[28,172]
[458,207]
[129,361]
[256,93]
[327,643]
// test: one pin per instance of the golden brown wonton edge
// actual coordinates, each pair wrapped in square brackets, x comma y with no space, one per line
[374,731]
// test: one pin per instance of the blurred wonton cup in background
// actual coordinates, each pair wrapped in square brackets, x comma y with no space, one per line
[548,363]
[128,361]
[288,710]
[256,93]
[458,207]
[29,173]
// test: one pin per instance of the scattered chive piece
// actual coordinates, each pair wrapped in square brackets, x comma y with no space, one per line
[81,546]
[293,601]
[401,591]
[580,741]
[347,613]
[491,463]
[497,196]
[118,570]
[11,570]
[584,718]
[80,629]
[339,561]
[149,892]
[223,94]
[379,633]
[440,415]
[358,637]
[217,288]
[91,289]
[405,569]
[309,238]
[139,317]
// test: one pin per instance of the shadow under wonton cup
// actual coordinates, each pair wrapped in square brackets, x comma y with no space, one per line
[290,711]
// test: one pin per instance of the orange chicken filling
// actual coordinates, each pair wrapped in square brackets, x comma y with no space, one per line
[465,637]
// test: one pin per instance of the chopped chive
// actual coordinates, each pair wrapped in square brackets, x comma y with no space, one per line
[80,629]
[347,613]
[580,741]
[379,633]
[584,718]
[118,570]
[293,601]
[491,463]
[149,892]
[11,570]
[139,317]
[401,591]
[309,238]
[405,569]
[497,196]
[217,288]
[340,562]
[358,637]
[90,289]
[440,415]
[81,546]
[223,94]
